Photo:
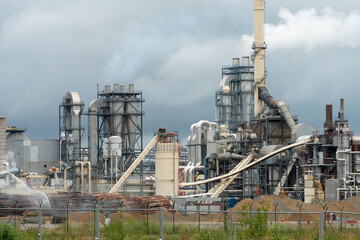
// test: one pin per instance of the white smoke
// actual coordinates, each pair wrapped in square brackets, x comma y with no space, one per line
[309,29]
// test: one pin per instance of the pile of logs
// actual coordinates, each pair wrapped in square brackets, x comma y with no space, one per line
[153,202]
[77,200]
[19,201]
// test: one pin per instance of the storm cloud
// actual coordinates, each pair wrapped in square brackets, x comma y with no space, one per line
[173,52]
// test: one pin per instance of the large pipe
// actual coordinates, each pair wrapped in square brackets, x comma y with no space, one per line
[247,166]
[81,174]
[272,103]
[92,129]
[89,174]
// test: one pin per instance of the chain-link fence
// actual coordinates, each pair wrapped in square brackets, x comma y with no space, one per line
[112,221]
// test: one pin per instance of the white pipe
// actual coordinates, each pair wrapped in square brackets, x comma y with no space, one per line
[89,174]
[65,184]
[81,173]
[247,166]
[92,129]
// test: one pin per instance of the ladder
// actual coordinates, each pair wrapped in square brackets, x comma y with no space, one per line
[225,182]
[134,164]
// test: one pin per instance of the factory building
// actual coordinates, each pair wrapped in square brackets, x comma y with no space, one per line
[253,146]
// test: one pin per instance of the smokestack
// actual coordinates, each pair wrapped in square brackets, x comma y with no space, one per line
[259,54]
[341,113]
[2,142]
[329,125]
[236,61]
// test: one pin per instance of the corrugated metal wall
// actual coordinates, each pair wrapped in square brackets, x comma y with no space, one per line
[35,155]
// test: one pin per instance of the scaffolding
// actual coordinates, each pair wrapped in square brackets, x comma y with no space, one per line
[70,131]
[240,109]
[126,123]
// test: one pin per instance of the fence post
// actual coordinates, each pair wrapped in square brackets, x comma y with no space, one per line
[97,223]
[94,218]
[231,222]
[250,206]
[122,212]
[325,211]
[67,216]
[147,217]
[225,220]
[39,220]
[341,211]
[275,206]
[300,215]
[235,220]
[321,227]
[198,208]
[161,225]
[173,215]
[16,205]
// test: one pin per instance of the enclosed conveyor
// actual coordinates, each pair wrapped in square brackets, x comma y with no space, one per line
[225,182]
[134,164]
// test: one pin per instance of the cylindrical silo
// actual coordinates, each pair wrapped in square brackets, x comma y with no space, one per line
[2,142]
[132,110]
[117,110]
[166,169]
[106,122]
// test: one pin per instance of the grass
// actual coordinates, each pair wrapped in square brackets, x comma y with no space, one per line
[250,228]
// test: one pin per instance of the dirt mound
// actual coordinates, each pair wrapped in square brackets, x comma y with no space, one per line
[284,204]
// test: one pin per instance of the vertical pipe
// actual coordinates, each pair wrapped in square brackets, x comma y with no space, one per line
[2,143]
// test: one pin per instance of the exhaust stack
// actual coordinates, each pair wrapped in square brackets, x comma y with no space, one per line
[258,54]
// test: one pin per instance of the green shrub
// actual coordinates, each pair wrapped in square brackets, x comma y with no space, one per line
[7,232]
[114,231]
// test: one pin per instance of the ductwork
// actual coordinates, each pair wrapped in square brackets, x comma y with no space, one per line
[200,133]
[276,104]
[92,129]
[72,111]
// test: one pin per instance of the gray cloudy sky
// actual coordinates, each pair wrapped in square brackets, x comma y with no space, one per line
[173,51]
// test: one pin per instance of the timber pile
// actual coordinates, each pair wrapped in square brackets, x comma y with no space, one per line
[77,200]
[20,201]
[156,201]
[153,202]
[128,202]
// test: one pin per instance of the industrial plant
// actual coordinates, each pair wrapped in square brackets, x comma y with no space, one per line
[253,146]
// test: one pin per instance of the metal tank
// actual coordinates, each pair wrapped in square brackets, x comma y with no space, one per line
[132,110]
[115,153]
[105,111]
[166,169]
[117,110]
